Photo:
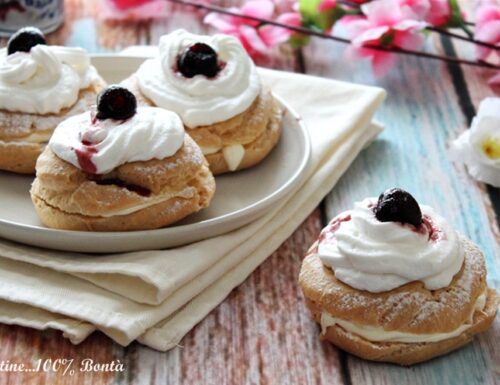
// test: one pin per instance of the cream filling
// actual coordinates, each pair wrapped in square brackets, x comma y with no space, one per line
[208,150]
[36,137]
[132,209]
[378,334]
[186,193]
[233,155]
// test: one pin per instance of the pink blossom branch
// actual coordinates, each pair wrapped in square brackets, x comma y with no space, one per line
[350,3]
[442,31]
[464,38]
[310,32]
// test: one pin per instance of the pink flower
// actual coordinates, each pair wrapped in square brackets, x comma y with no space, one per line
[133,9]
[284,6]
[256,39]
[487,28]
[124,4]
[495,79]
[325,5]
[439,13]
[274,36]
[435,12]
[416,9]
[385,25]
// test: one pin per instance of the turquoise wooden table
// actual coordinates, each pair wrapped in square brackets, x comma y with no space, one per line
[262,333]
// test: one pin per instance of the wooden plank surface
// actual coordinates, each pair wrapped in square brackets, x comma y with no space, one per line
[262,333]
[250,338]
[422,116]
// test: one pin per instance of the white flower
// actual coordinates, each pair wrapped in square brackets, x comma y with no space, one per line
[479,147]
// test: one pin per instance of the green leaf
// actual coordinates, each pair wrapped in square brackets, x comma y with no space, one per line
[299,40]
[456,19]
[309,8]
[314,19]
[387,39]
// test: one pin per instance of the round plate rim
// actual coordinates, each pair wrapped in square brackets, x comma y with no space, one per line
[235,216]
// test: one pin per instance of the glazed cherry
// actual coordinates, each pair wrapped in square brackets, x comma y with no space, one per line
[25,39]
[116,102]
[199,59]
[397,205]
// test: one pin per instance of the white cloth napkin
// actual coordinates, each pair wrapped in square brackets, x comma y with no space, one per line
[158,296]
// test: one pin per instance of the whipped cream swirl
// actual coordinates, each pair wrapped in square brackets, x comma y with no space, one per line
[45,80]
[200,100]
[378,256]
[479,147]
[98,146]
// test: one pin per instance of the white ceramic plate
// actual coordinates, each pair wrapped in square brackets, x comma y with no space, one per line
[240,197]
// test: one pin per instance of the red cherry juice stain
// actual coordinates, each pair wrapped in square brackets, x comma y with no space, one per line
[142,191]
[88,149]
[93,117]
[328,233]
[428,227]
[84,156]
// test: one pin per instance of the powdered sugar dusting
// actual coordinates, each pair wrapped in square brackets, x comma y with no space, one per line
[17,125]
[417,307]
[191,155]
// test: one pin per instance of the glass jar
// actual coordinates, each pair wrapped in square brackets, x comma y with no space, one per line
[46,15]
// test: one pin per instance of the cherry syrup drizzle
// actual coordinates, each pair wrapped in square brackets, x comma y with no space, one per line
[142,191]
[427,228]
[328,233]
[84,156]
[85,153]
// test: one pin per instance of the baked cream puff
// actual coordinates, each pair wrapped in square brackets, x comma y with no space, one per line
[212,83]
[120,168]
[40,86]
[391,281]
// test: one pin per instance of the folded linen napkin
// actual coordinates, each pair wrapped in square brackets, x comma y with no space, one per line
[158,296]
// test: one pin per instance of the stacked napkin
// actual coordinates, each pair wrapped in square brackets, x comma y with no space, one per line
[157,296]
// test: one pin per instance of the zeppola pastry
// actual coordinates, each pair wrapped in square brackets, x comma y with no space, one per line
[392,281]
[40,86]
[120,168]
[212,83]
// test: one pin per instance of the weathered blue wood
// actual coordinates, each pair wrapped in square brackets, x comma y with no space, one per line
[250,338]
[422,116]
[83,33]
